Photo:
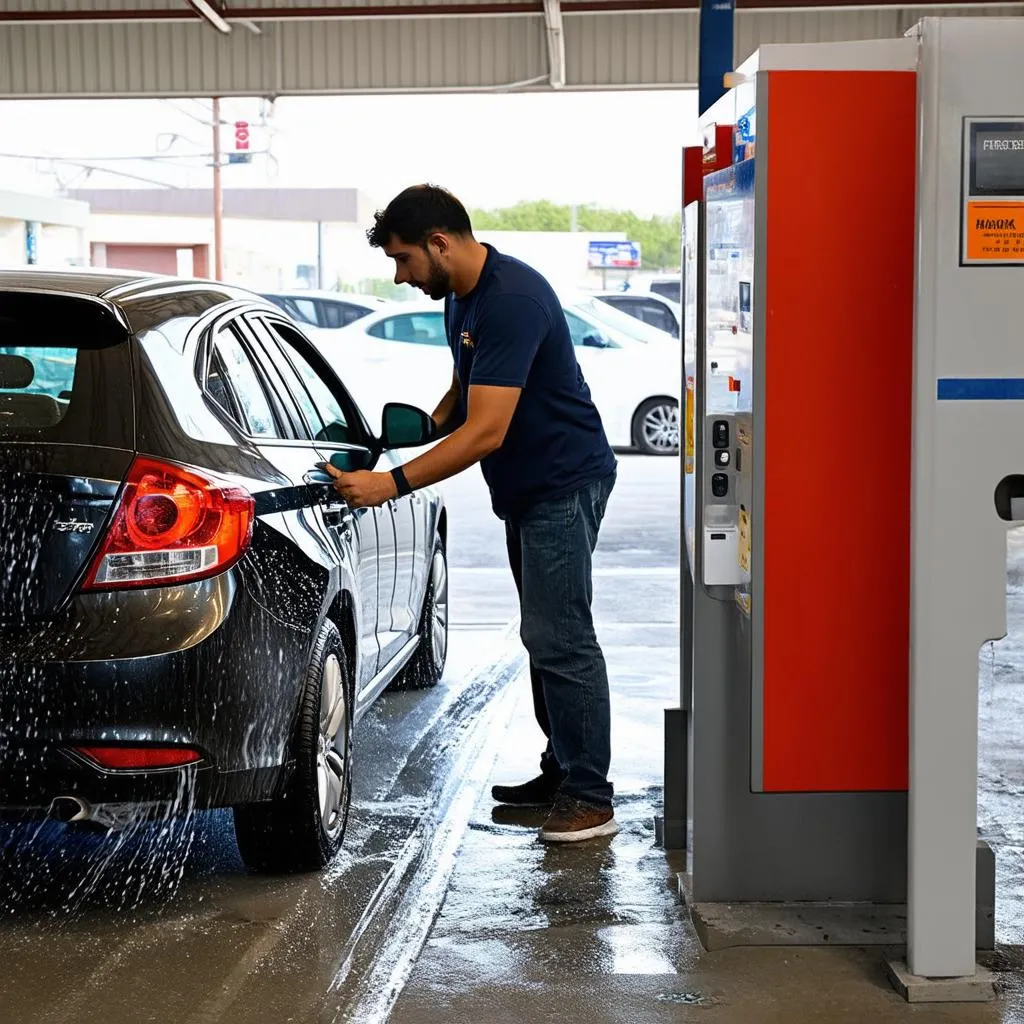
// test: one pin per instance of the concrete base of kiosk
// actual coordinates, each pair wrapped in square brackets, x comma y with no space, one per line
[725,925]
[977,988]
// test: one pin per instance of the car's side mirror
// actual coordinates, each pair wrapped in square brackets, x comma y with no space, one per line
[594,341]
[405,426]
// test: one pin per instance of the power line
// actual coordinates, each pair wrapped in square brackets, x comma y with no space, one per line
[157,157]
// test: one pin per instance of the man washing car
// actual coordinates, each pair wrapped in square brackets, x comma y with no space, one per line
[518,405]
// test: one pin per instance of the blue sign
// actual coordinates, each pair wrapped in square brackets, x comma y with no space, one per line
[31,242]
[746,136]
[716,50]
[614,255]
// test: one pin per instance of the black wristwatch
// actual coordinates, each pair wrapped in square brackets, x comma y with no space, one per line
[398,475]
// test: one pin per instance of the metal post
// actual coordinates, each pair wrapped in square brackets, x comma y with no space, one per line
[716,49]
[319,254]
[218,198]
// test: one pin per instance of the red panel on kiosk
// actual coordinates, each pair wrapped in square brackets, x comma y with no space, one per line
[693,175]
[838,380]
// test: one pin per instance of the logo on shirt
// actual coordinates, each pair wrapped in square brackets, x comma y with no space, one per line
[467,340]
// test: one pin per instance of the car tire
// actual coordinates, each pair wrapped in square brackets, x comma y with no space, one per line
[304,828]
[426,667]
[656,427]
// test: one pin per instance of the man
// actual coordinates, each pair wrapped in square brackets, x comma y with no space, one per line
[519,405]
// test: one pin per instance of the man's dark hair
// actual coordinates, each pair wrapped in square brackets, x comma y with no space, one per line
[416,213]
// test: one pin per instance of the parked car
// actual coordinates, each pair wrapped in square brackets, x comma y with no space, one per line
[669,286]
[191,616]
[653,309]
[625,323]
[401,353]
[330,310]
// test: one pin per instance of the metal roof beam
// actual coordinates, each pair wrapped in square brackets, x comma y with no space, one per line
[211,14]
[556,43]
[512,8]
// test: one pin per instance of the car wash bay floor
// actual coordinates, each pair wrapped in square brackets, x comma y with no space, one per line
[443,909]
[596,933]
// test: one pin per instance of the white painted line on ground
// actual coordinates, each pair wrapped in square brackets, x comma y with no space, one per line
[409,897]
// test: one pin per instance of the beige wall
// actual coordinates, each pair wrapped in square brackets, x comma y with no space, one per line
[56,246]
[12,242]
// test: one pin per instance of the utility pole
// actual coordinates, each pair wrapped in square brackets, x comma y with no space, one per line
[218,198]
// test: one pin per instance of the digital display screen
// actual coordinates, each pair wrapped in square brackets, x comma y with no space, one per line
[997,159]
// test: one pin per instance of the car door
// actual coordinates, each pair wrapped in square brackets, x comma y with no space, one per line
[233,376]
[600,358]
[409,556]
[338,431]
[418,347]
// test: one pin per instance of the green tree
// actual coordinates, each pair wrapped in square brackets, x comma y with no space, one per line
[659,236]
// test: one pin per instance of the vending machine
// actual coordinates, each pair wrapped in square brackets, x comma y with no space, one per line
[798,347]
[855,405]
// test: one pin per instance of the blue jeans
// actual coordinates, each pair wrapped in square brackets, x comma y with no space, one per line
[550,547]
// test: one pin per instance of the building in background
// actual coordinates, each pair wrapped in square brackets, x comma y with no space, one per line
[42,230]
[273,238]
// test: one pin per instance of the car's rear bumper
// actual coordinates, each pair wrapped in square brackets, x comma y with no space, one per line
[202,665]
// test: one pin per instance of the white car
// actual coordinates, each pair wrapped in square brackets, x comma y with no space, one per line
[651,308]
[597,307]
[329,310]
[400,354]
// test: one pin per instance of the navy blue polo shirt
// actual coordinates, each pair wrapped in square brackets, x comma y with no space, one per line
[510,331]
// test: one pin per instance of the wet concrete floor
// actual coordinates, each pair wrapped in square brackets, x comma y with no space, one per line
[530,933]
[443,908]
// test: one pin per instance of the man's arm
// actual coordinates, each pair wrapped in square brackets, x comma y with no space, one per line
[509,337]
[446,416]
[487,420]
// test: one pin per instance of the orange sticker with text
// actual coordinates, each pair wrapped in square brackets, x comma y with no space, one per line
[994,232]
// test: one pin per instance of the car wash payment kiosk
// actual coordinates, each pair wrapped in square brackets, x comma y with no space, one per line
[853,457]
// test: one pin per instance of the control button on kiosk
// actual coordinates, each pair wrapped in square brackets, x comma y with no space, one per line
[720,485]
[722,458]
[720,434]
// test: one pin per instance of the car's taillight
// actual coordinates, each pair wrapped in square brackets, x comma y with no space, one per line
[125,758]
[171,525]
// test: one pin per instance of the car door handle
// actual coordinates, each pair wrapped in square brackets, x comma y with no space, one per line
[322,487]
[338,514]
[336,511]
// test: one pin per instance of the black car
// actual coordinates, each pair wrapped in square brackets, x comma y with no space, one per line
[190,617]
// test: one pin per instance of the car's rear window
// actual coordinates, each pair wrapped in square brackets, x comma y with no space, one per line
[65,372]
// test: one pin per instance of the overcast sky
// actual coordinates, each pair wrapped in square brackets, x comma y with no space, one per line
[613,149]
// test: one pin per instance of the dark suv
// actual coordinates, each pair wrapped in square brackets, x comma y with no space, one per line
[189,615]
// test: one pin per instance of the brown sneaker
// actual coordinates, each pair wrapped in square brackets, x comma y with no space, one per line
[572,821]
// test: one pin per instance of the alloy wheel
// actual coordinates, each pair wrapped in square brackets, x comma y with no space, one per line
[331,768]
[661,428]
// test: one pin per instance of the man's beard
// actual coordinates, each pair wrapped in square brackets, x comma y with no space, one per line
[438,283]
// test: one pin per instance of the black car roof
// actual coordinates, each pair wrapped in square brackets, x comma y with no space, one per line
[140,299]
[113,285]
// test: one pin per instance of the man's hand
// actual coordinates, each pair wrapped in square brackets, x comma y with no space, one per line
[363,489]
